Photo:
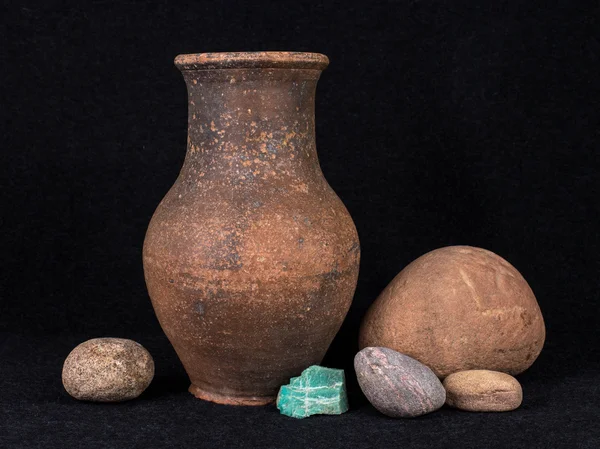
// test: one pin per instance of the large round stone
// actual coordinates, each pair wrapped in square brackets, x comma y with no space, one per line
[397,385]
[107,370]
[483,391]
[458,308]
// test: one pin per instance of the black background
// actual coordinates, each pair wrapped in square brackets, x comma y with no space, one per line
[438,123]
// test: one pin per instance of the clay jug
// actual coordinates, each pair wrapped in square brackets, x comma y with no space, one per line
[251,260]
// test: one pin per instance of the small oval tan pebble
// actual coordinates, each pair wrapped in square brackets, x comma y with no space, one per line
[483,391]
[107,370]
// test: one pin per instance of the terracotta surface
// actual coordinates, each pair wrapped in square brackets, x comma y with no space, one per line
[251,259]
[483,391]
[458,308]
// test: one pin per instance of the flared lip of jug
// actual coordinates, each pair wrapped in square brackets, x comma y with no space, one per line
[254,59]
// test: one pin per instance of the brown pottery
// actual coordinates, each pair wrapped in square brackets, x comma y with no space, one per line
[251,259]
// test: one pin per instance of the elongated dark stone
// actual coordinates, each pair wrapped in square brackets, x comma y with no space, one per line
[397,385]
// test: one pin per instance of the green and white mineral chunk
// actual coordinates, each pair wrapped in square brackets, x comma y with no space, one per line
[318,391]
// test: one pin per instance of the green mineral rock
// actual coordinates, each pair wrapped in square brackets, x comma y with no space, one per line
[318,391]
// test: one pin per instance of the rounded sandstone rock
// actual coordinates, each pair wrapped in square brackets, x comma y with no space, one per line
[107,370]
[458,308]
[483,391]
[397,385]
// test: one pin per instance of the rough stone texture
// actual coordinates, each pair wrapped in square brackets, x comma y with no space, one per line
[483,391]
[107,370]
[458,308]
[251,259]
[397,385]
[318,391]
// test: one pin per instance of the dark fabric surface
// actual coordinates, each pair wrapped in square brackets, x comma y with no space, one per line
[560,410]
[438,123]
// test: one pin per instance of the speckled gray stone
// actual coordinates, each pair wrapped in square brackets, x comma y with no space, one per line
[107,370]
[397,385]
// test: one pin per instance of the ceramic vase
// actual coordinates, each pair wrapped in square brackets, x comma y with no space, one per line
[251,259]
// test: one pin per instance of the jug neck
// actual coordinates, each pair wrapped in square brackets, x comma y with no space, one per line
[251,116]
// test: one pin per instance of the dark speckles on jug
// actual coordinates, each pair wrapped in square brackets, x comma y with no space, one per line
[246,258]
